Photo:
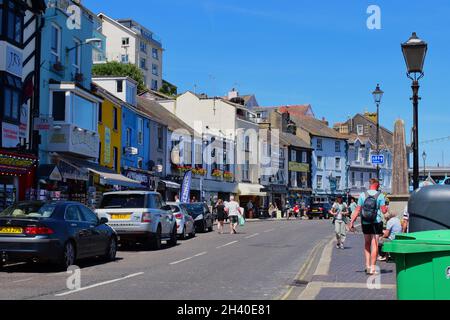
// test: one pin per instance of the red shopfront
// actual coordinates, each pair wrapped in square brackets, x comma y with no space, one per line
[17,172]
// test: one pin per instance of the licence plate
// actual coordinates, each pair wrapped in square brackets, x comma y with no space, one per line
[10,230]
[315,211]
[120,216]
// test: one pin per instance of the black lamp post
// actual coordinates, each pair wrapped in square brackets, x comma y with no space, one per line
[424,157]
[377,95]
[414,52]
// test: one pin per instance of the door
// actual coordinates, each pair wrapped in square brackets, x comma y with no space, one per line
[77,228]
[97,234]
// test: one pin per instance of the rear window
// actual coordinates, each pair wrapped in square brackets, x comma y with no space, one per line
[29,210]
[125,201]
[194,209]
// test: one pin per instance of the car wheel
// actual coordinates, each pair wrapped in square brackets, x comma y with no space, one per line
[155,241]
[193,234]
[111,250]
[173,237]
[211,228]
[184,235]
[68,258]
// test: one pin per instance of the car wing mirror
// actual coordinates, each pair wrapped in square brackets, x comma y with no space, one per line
[103,220]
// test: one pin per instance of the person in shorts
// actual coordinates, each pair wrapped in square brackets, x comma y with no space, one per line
[232,208]
[372,229]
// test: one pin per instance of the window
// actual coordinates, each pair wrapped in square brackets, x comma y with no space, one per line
[88,215]
[124,58]
[115,118]
[83,113]
[125,41]
[353,179]
[293,155]
[128,137]
[143,46]
[76,57]
[360,129]
[198,154]
[116,159]
[361,178]
[319,144]
[160,138]
[155,53]
[319,162]
[155,69]
[337,146]
[245,171]
[154,85]
[304,157]
[12,98]
[247,144]
[59,106]
[140,163]
[13,21]
[282,156]
[131,93]
[100,111]
[338,182]
[73,214]
[338,164]
[140,131]
[55,46]
[294,182]
[119,84]
[143,63]
[187,153]
[319,182]
[155,201]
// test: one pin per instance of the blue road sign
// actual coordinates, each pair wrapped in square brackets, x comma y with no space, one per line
[378,159]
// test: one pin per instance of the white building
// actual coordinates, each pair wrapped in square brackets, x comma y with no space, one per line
[129,42]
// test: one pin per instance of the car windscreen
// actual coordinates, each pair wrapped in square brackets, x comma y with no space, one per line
[123,201]
[193,209]
[29,210]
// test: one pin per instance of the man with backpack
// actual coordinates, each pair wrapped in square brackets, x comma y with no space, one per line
[371,207]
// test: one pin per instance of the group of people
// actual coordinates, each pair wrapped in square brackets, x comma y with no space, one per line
[298,210]
[228,210]
[378,223]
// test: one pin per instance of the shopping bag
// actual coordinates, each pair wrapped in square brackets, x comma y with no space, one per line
[241,220]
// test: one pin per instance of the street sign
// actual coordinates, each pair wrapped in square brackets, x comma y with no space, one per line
[378,159]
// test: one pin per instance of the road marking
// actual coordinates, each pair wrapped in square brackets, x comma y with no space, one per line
[99,284]
[228,244]
[270,230]
[23,280]
[14,264]
[252,236]
[183,260]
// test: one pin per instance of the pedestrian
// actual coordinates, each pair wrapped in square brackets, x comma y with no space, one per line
[352,206]
[194,199]
[272,210]
[220,209]
[296,209]
[250,209]
[393,227]
[287,209]
[177,198]
[232,209]
[405,220]
[371,207]
[302,209]
[339,211]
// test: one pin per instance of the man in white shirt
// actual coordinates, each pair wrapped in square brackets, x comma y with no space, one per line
[232,208]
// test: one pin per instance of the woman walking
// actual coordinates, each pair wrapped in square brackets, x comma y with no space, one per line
[340,220]
[220,208]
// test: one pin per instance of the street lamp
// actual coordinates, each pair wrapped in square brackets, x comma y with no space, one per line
[377,95]
[424,157]
[414,52]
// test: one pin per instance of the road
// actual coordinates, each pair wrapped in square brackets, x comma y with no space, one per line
[260,262]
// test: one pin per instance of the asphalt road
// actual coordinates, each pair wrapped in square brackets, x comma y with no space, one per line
[260,262]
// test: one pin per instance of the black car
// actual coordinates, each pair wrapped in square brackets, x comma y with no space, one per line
[56,232]
[320,210]
[203,218]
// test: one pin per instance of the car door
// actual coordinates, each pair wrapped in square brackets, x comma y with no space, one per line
[166,215]
[77,229]
[189,220]
[97,234]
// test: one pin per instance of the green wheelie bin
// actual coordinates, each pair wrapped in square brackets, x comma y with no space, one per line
[423,265]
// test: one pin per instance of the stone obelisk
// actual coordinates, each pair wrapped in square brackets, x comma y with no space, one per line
[400,175]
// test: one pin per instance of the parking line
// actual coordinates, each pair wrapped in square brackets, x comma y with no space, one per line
[252,236]
[22,280]
[228,244]
[99,284]
[270,230]
[183,260]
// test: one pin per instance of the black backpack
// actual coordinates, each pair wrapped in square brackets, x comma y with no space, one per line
[370,208]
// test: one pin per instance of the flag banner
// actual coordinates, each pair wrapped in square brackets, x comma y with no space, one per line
[186,187]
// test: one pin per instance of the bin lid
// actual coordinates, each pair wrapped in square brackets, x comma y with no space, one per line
[427,241]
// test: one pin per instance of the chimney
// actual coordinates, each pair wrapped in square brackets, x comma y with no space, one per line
[325,121]
[233,94]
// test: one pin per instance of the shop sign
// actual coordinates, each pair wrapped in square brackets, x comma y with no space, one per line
[142,178]
[10,135]
[15,161]
[14,61]
[43,123]
[298,167]
[72,173]
[107,143]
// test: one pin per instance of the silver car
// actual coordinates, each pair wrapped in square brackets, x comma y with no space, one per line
[139,217]
[185,222]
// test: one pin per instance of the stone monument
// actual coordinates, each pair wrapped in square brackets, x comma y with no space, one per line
[400,175]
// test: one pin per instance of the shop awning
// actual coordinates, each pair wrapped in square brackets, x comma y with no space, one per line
[115,179]
[171,184]
[248,189]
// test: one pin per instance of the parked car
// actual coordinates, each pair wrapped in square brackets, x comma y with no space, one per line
[203,218]
[320,210]
[139,217]
[56,232]
[185,222]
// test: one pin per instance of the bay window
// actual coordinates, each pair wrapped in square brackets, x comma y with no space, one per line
[12,91]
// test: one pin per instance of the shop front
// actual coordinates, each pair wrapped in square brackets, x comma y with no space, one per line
[276,194]
[17,172]
[168,189]
[299,196]
[247,192]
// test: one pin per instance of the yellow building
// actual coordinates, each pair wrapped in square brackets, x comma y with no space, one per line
[110,130]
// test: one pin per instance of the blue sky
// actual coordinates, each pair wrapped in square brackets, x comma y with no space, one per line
[298,51]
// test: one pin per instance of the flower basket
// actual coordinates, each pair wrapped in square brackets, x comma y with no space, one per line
[199,172]
[228,175]
[183,169]
[217,174]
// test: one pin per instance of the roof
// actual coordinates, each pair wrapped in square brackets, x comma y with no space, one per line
[317,128]
[373,122]
[294,110]
[294,140]
[162,115]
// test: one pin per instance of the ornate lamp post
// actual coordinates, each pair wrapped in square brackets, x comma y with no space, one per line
[377,95]
[414,52]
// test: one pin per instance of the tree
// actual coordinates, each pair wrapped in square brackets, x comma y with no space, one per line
[118,69]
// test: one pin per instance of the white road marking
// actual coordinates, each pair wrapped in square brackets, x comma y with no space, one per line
[252,236]
[22,280]
[99,284]
[14,264]
[228,244]
[270,230]
[183,260]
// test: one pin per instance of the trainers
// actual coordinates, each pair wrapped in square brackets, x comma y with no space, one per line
[382,259]
[338,246]
[342,247]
